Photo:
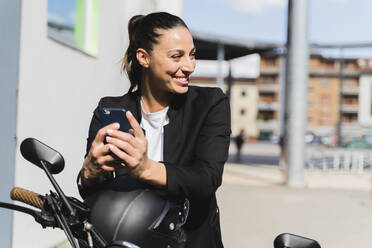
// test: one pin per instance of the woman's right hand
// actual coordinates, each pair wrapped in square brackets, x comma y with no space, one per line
[100,159]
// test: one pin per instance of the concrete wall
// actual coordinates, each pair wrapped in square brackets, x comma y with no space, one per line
[9,60]
[59,87]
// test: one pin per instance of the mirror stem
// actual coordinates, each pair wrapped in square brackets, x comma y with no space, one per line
[58,189]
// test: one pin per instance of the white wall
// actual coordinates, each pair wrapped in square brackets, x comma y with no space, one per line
[10,13]
[58,90]
[249,102]
[365,101]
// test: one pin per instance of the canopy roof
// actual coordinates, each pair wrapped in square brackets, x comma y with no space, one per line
[207,46]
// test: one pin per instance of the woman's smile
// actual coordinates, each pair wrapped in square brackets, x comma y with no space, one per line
[182,80]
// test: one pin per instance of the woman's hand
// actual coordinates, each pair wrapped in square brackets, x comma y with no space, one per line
[130,147]
[99,158]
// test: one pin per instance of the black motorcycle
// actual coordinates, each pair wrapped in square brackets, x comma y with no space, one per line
[85,226]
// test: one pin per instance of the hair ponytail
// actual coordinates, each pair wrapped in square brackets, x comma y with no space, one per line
[130,63]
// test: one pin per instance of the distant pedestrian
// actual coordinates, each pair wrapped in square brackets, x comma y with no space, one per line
[239,141]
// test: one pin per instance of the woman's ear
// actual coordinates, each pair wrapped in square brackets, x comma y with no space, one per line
[143,57]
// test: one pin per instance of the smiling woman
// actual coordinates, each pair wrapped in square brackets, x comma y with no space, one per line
[180,134]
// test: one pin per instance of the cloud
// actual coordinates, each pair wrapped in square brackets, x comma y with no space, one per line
[258,6]
[255,6]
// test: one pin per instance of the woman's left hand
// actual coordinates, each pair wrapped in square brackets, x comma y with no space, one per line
[130,147]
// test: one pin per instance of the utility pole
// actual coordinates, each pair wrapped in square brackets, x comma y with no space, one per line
[340,99]
[229,82]
[220,58]
[296,91]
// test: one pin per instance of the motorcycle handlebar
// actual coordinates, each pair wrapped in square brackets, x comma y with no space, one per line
[28,197]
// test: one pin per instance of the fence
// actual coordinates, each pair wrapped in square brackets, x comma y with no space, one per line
[352,160]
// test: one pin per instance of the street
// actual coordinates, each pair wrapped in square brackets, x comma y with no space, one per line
[334,207]
[252,216]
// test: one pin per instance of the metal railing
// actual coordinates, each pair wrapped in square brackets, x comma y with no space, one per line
[336,159]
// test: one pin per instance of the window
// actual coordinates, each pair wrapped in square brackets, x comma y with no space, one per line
[268,97]
[74,23]
[324,101]
[349,117]
[265,115]
[242,111]
[324,118]
[352,100]
[324,112]
[243,93]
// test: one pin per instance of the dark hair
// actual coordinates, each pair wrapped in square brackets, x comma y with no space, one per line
[143,34]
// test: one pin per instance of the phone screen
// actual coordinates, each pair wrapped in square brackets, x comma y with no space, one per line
[111,115]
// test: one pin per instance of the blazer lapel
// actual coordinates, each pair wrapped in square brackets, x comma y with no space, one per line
[173,134]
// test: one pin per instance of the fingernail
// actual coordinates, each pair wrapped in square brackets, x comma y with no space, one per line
[111,146]
[108,138]
[116,125]
[110,131]
[130,113]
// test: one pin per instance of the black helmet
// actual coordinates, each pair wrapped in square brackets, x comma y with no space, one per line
[126,210]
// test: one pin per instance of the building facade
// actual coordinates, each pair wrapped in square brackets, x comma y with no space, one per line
[333,102]
[333,94]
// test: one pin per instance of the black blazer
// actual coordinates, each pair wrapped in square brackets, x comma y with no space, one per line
[196,143]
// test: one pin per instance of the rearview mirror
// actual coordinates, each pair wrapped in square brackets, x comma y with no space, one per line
[35,151]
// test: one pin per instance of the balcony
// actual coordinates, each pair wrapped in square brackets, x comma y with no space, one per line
[350,108]
[350,91]
[268,105]
[268,87]
[334,73]
[272,125]
[351,125]
[269,70]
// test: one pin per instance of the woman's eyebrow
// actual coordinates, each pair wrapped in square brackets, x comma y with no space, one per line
[180,50]
[175,50]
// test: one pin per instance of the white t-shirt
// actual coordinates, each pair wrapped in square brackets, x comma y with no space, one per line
[154,123]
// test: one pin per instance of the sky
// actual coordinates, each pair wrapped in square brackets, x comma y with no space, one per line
[330,21]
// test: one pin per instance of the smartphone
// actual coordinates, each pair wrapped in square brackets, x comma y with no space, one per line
[111,115]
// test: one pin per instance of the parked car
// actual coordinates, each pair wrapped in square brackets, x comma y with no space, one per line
[311,138]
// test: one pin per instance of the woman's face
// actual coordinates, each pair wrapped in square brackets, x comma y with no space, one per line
[172,61]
